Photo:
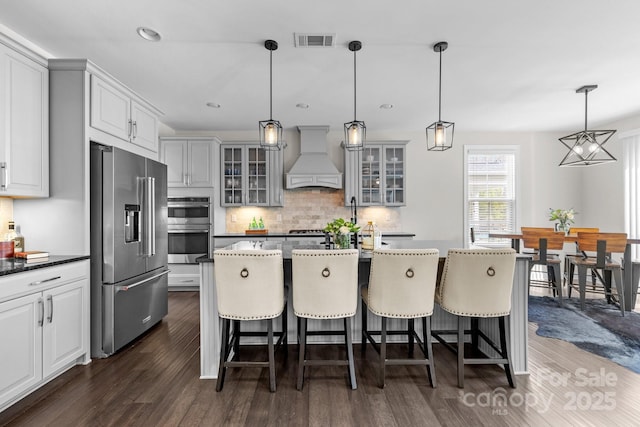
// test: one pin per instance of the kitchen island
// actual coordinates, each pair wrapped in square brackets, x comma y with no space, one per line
[210,325]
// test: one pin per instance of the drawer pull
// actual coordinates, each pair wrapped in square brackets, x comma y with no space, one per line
[40,282]
[41,317]
[186,281]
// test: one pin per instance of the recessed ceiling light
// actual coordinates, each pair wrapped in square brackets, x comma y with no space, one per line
[386,106]
[302,105]
[213,105]
[148,34]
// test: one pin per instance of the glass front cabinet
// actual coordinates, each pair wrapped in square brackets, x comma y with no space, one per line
[375,176]
[250,176]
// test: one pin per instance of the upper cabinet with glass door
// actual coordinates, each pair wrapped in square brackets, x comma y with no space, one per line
[375,176]
[250,176]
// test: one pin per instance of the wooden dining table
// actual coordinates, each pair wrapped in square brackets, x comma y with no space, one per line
[631,274]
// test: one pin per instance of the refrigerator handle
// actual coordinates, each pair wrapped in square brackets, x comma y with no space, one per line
[150,217]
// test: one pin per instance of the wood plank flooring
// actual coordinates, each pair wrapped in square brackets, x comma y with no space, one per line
[155,382]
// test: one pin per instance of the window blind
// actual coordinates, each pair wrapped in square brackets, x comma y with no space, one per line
[491,194]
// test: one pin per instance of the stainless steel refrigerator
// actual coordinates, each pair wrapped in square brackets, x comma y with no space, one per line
[128,247]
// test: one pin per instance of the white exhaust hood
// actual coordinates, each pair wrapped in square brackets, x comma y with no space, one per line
[313,168]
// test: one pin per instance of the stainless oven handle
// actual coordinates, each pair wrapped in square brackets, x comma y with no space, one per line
[186,205]
[141,282]
[206,230]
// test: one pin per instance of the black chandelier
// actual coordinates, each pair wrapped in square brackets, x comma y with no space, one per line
[586,147]
[270,130]
[441,132]
[355,132]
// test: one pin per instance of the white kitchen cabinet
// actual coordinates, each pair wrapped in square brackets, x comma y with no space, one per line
[375,176]
[250,176]
[44,326]
[24,126]
[184,277]
[190,161]
[117,113]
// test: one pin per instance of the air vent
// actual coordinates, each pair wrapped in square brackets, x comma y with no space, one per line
[314,40]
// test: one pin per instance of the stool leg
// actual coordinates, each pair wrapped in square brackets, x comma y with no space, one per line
[475,335]
[460,352]
[224,353]
[363,348]
[383,351]
[410,332]
[285,331]
[352,368]
[426,339]
[504,346]
[557,283]
[582,281]
[236,332]
[302,332]
[619,288]
[272,363]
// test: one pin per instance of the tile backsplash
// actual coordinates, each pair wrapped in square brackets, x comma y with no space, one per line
[6,214]
[309,209]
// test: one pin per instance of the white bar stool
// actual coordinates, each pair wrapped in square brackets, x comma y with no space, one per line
[325,286]
[477,283]
[402,284]
[249,286]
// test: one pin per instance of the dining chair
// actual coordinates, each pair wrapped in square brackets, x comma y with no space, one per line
[603,245]
[402,284]
[568,266]
[477,284]
[542,240]
[325,286]
[249,287]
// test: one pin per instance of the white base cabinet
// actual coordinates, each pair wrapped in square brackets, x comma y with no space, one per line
[184,277]
[44,332]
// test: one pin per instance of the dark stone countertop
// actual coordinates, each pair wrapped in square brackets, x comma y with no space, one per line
[16,265]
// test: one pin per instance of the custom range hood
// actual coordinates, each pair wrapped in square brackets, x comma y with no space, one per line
[313,168]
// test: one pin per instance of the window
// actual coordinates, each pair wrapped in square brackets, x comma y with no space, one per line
[490,192]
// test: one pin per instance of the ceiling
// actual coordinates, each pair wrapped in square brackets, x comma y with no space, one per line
[510,66]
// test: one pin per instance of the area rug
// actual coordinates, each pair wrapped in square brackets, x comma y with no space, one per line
[599,329]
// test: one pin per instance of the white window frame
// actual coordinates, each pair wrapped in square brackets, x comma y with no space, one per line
[491,149]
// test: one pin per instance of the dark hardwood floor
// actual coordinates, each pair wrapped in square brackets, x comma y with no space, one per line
[155,382]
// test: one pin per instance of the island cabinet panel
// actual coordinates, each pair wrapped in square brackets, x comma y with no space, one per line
[376,175]
[44,326]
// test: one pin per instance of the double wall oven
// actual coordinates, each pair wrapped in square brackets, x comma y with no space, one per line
[189,225]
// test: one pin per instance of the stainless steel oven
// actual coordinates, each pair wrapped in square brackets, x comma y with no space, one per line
[189,227]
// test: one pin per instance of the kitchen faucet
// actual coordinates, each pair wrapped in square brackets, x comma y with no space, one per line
[354,220]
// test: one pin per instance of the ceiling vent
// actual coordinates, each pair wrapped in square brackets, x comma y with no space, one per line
[314,40]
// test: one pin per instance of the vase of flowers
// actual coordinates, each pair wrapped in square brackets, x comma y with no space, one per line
[341,231]
[565,218]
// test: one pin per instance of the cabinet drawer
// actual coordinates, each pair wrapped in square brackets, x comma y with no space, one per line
[18,284]
[184,280]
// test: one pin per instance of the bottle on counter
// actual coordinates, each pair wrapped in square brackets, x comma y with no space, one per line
[371,237]
[261,224]
[18,245]
[7,242]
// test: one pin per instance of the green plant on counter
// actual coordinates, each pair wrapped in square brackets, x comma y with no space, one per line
[341,226]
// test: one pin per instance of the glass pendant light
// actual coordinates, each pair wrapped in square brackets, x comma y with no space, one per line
[586,147]
[354,132]
[441,132]
[270,130]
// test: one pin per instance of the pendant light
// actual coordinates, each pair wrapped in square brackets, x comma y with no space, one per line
[270,130]
[586,147]
[354,132]
[440,133]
